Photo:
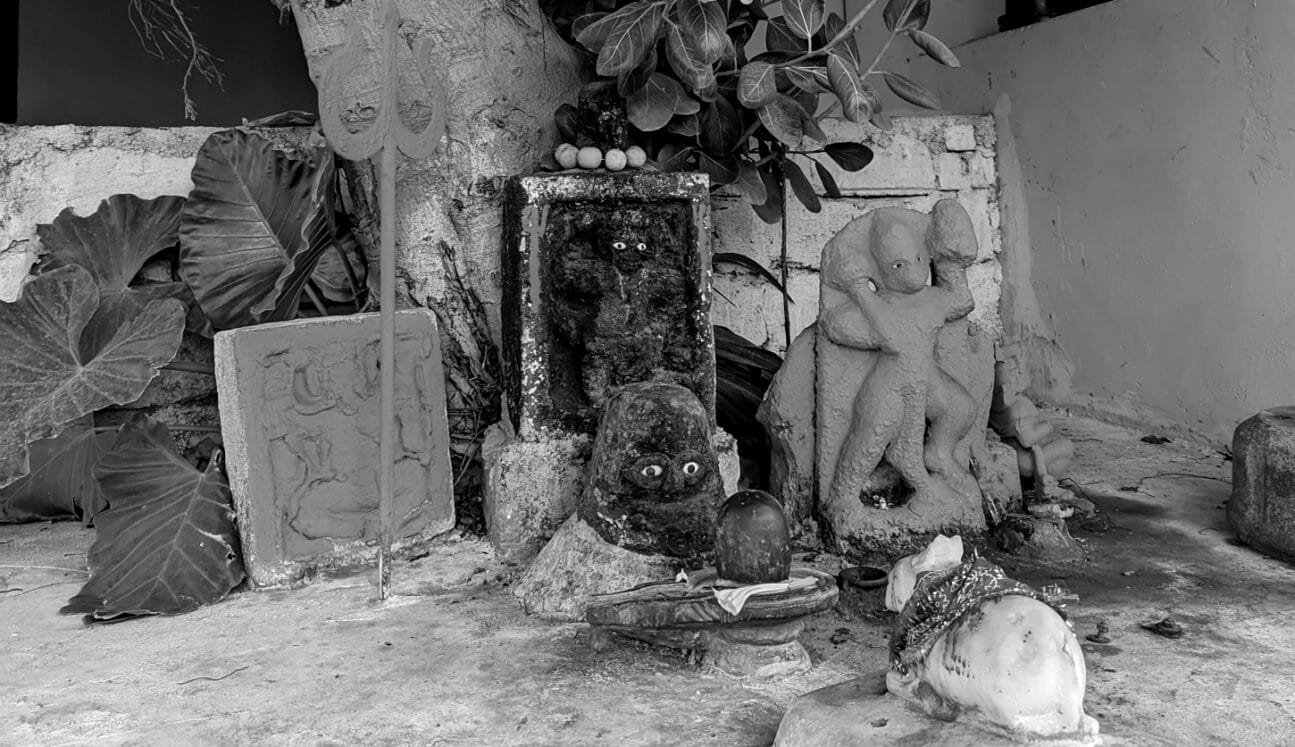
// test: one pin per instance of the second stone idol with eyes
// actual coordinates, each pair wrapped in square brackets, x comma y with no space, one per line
[653,484]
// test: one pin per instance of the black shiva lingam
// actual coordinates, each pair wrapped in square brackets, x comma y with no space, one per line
[745,614]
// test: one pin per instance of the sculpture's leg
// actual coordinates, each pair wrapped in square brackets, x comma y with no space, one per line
[873,427]
[952,412]
[906,451]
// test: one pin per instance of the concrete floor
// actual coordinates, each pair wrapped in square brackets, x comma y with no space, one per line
[452,659]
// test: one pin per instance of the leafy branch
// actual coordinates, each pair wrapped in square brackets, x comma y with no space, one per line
[696,102]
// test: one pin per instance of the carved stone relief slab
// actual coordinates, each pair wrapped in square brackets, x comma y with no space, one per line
[299,405]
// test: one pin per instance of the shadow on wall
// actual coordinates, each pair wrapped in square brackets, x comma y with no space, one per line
[83,63]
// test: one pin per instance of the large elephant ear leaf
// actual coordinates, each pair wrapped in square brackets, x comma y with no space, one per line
[167,542]
[317,234]
[61,483]
[44,383]
[242,224]
[113,244]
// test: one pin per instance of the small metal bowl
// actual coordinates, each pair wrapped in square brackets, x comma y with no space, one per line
[863,590]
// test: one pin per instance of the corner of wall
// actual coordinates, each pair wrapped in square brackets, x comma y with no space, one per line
[1034,362]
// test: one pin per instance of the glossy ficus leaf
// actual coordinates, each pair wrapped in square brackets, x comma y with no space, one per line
[113,244]
[61,482]
[779,38]
[691,71]
[771,210]
[674,157]
[721,126]
[804,17]
[167,543]
[829,182]
[252,210]
[592,29]
[45,384]
[750,184]
[638,26]
[811,78]
[721,170]
[755,85]
[783,118]
[906,14]
[849,156]
[911,91]
[685,125]
[834,25]
[934,48]
[801,187]
[705,28]
[812,130]
[848,88]
[635,79]
[652,106]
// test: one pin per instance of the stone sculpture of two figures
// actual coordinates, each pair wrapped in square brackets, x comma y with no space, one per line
[894,282]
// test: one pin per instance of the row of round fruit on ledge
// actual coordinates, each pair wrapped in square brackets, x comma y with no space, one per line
[569,156]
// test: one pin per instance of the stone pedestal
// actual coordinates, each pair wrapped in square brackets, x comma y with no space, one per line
[1262,509]
[531,487]
[299,412]
[606,282]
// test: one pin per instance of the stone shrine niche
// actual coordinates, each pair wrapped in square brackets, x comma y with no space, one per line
[606,283]
[299,406]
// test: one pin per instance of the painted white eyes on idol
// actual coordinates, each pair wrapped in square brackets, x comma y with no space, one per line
[652,470]
[691,468]
[620,246]
[898,265]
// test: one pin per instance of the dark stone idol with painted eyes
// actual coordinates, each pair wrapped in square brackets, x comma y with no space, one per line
[653,483]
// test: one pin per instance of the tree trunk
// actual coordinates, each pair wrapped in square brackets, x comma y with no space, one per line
[504,71]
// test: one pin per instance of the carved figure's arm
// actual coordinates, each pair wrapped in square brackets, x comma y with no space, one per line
[860,324]
[951,279]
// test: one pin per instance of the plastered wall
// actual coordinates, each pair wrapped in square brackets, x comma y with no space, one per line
[1151,181]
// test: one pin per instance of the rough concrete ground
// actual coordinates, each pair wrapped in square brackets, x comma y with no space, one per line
[452,660]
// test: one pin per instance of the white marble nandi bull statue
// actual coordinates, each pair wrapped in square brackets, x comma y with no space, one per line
[971,642]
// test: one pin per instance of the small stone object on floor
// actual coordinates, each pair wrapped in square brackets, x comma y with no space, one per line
[1101,635]
[1167,627]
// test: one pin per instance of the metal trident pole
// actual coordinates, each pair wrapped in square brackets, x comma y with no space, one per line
[384,136]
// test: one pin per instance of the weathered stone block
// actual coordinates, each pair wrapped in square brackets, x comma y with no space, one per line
[606,282]
[960,136]
[299,411]
[531,488]
[787,413]
[951,171]
[1262,509]
[577,564]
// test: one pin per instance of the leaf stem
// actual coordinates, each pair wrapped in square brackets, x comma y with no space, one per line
[190,367]
[841,35]
[315,300]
